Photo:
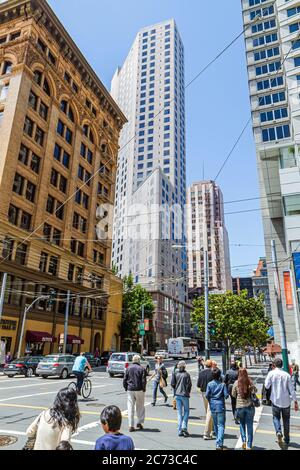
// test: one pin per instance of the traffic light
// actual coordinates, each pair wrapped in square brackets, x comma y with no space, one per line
[212,327]
[51,298]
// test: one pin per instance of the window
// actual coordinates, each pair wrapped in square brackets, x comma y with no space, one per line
[33,100]
[292,205]
[7,68]
[274,114]
[30,191]
[28,126]
[276,133]
[67,110]
[25,220]
[18,184]
[21,252]
[39,136]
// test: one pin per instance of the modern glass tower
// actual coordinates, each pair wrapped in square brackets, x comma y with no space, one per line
[150,242]
[273,60]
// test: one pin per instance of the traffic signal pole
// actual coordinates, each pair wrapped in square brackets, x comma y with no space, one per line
[206,293]
[66,321]
[281,321]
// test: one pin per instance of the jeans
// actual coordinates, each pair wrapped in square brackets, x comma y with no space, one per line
[80,377]
[155,387]
[286,415]
[219,419]
[183,407]
[246,417]
[233,405]
[296,380]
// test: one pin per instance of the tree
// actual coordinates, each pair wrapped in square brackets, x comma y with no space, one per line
[134,297]
[239,321]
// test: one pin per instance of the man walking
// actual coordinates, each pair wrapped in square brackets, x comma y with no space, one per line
[161,375]
[282,395]
[205,376]
[231,377]
[295,373]
[134,383]
[182,385]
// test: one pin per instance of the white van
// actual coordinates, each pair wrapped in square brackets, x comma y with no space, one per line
[182,348]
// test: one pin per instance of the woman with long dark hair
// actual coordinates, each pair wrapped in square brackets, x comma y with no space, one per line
[56,424]
[242,390]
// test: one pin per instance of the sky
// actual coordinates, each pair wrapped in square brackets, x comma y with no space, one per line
[217,103]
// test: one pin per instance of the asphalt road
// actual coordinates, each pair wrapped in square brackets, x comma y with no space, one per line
[21,400]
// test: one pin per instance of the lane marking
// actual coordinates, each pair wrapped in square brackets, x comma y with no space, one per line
[32,385]
[39,394]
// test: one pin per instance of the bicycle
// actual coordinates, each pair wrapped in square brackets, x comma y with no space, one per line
[86,388]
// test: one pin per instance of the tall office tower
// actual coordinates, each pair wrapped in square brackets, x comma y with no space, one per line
[273,60]
[207,231]
[149,88]
[261,284]
[58,126]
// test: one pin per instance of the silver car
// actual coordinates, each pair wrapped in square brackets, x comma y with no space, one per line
[119,362]
[56,365]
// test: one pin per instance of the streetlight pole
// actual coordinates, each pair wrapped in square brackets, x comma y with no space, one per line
[26,310]
[143,331]
[280,309]
[206,293]
[2,295]
[66,322]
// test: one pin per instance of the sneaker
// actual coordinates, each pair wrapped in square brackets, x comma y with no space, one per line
[244,447]
[140,426]
[180,434]
[174,405]
[185,433]
[213,436]
[153,403]
[132,429]
[279,438]
[236,421]
[206,438]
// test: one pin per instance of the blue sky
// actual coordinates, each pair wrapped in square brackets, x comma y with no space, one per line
[217,104]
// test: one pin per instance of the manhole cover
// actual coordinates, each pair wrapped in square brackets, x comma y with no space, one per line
[7,440]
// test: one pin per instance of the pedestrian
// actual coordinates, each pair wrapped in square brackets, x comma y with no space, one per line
[64,445]
[200,362]
[295,374]
[97,353]
[111,421]
[204,377]
[230,378]
[242,391]
[175,369]
[216,394]
[56,424]
[182,385]
[79,366]
[135,381]
[282,394]
[8,358]
[266,394]
[160,380]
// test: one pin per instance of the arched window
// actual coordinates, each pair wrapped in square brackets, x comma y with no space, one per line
[42,82]
[7,67]
[66,108]
[88,133]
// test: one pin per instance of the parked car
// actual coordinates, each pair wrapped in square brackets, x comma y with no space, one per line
[56,365]
[119,362]
[22,366]
[104,358]
[162,353]
[93,361]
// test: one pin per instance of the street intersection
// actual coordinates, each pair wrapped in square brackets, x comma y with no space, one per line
[21,400]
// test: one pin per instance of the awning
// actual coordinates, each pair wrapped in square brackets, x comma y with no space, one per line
[39,337]
[72,339]
[273,349]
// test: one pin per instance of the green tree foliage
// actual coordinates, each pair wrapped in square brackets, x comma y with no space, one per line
[134,297]
[239,321]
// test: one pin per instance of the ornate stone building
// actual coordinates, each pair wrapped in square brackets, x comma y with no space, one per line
[59,130]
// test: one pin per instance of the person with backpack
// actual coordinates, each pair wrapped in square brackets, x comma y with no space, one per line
[160,380]
[242,391]
[231,377]
[182,385]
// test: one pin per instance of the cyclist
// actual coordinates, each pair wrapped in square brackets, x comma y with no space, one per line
[80,364]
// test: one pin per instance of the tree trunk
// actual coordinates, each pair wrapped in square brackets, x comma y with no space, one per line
[255,358]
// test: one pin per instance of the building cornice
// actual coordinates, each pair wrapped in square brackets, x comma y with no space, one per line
[44,15]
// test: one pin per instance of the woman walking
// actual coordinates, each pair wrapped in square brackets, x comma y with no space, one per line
[216,394]
[242,390]
[182,385]
[57,424]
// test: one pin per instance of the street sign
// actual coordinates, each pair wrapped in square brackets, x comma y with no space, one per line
[147,324]
[142,333]
[296,259]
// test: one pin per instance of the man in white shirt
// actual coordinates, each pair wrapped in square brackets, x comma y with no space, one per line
[282,395]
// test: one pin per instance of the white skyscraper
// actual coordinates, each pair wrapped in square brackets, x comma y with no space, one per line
[206,231]
[150,90]
[273,60]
